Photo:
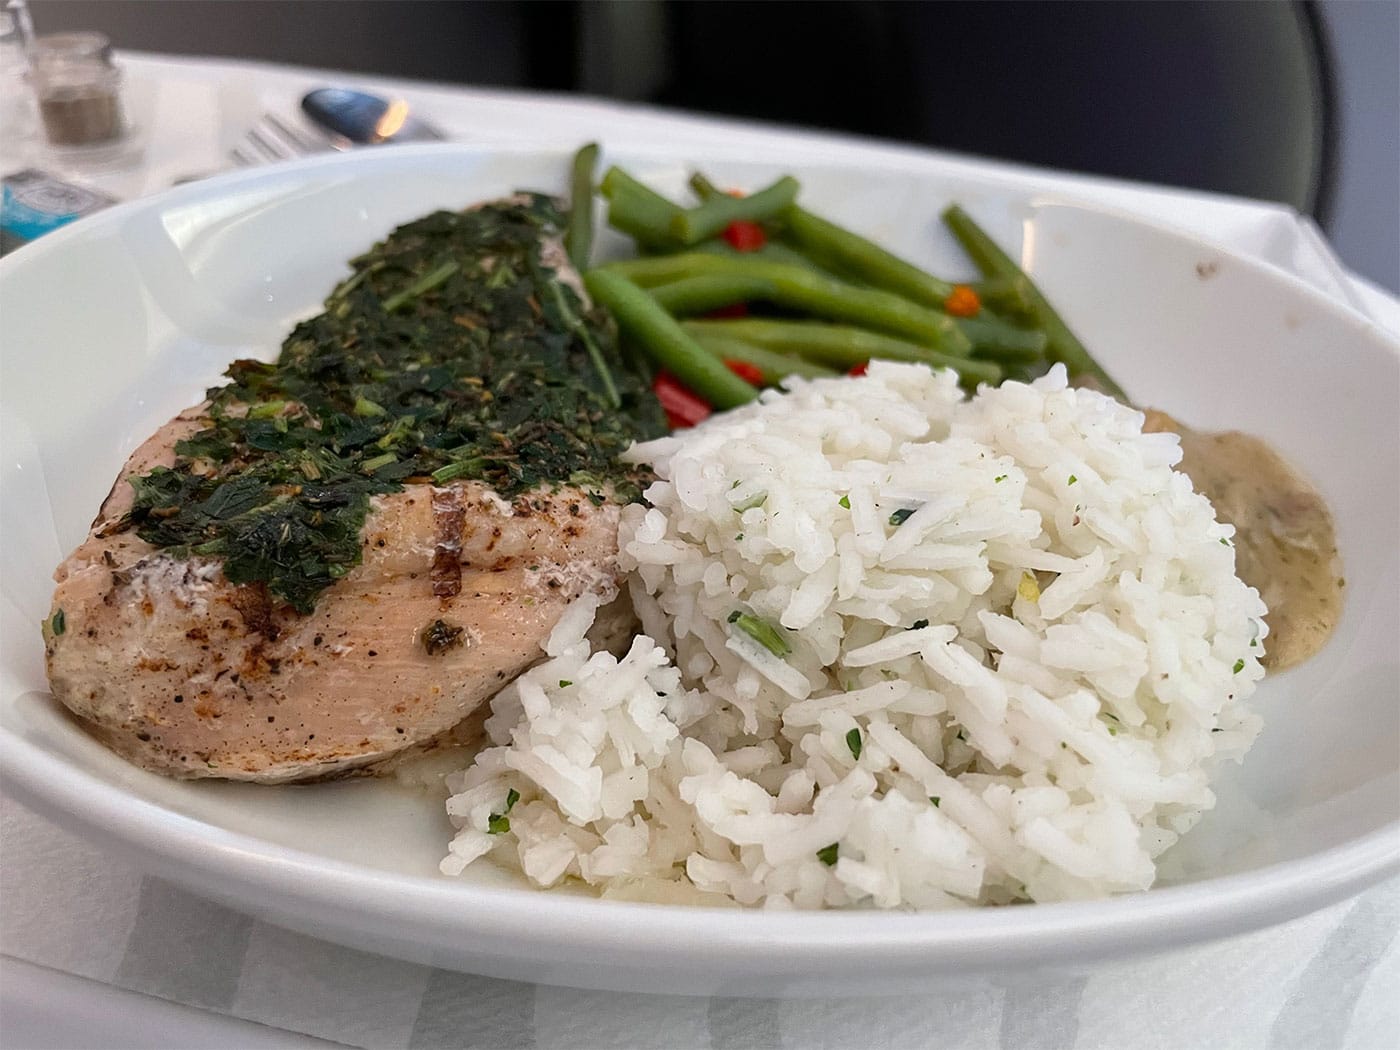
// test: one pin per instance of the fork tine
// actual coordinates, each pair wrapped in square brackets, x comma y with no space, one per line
[300,141]
[272,138]
[267,144]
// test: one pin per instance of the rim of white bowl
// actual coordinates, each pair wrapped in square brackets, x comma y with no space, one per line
[1149,921]
[537,921]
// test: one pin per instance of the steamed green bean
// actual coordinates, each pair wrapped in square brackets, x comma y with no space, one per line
[838,346]
[805,289]
[716,212]
[773,366]
[639,317]
[578,236]
[1062,344]
[835,248]
[706,292]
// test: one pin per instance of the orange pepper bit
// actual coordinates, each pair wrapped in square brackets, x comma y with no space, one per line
[962,302]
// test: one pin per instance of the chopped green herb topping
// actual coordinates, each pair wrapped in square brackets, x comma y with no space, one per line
[844,502]
[999,479]
[935,800]
[369,466]
[917,625]
[59,623]
[761,631]
[756,500]
[900,516]
[853,741]
[1239,665]
[453,351]
[827,854]
[499,823]
[426,283]
[564,683]
[1072,479]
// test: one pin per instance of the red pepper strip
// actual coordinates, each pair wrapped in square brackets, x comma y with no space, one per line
[745,371]
[745,236]
[730,312]
[860,369]
[683,408]
[962,302]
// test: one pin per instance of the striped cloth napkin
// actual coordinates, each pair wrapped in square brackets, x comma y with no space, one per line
[1328,980]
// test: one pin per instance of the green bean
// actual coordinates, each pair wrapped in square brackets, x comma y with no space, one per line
[643,219]
[837,345]
[995,338]
[804,289]
[773,365]
[698,295]
[639,316]
[1063,346]
[776,251]
[651,270]
[717,212]
[773,251]
[834,247]
[703,187]
[639,211]
[616,180]
[1008,295]
[578,237]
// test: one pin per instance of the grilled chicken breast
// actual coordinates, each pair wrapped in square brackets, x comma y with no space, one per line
[188,673]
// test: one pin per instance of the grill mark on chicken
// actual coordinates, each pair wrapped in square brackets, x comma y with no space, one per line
[449,516]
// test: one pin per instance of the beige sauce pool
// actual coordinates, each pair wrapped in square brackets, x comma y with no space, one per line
[1285,542]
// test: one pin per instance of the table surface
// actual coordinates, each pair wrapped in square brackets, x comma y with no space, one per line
[97,954]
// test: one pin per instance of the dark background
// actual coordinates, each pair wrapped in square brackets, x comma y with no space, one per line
[1237,96]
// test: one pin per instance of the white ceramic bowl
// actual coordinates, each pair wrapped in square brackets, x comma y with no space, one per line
[113,325]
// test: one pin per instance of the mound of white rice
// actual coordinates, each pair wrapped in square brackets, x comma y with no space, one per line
[911,649]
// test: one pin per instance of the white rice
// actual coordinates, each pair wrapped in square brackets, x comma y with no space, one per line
[1038,666]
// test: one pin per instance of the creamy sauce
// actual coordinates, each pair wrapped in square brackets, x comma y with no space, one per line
[1285,541]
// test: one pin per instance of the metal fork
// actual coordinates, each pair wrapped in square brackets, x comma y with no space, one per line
[272,138]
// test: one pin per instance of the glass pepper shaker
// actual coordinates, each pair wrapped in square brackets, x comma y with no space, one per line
[78,89]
